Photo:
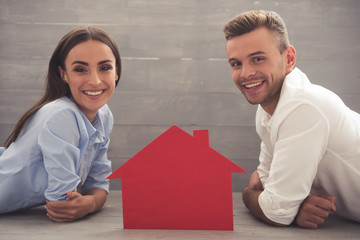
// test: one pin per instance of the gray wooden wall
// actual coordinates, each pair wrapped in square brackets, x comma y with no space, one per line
[174,65]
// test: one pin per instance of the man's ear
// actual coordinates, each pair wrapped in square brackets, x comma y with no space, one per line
[62,74]
[290,58]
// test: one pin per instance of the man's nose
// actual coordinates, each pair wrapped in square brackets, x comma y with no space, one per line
[247,71]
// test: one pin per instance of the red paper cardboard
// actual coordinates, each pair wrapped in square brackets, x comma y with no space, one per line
[177,182]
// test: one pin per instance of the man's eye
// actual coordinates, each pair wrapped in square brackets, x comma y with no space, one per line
[258,59]
[235,64]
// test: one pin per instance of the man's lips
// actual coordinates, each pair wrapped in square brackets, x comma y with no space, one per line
[255,85]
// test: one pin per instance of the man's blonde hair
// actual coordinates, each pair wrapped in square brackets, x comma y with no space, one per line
[252,20]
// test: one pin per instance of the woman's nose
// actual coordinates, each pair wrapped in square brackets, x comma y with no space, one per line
[94,79]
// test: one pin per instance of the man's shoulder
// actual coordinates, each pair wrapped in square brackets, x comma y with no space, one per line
[297,89]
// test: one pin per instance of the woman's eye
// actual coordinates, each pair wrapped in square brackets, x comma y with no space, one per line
[105,68]
[79,69]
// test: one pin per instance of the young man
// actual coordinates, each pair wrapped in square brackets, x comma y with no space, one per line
[310,149]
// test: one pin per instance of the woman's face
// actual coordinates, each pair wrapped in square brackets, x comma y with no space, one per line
[90,72]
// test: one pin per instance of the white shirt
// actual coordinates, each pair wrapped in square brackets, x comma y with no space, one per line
[311,144]
[59,150]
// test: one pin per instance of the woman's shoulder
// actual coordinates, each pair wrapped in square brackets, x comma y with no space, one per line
[60,104]
[63,107]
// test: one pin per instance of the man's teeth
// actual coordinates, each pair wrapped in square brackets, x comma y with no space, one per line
[93,93]
[253,85]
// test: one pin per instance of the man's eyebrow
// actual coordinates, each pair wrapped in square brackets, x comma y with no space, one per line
[256,53]
[250,55]
[232,59]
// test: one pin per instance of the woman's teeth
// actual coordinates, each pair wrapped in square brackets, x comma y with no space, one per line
[93,93]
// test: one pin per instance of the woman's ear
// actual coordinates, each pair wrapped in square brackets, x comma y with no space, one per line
[62,74]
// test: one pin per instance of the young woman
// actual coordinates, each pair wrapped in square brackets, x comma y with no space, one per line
[57,152]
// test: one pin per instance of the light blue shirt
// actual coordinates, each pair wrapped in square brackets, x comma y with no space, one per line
[58,150]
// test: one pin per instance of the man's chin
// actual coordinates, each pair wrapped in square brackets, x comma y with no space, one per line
[252,101]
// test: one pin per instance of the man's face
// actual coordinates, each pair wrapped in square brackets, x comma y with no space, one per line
[258,69]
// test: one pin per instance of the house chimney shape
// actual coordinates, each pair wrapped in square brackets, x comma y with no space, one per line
[202,136]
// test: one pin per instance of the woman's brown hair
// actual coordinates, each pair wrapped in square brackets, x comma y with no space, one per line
[55,86]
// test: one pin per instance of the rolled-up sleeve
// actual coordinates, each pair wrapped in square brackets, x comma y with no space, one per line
[299,146]
[58,140]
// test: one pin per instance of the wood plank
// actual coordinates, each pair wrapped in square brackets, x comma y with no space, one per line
[232,142]
[33,224]
[153,108]
[239,180]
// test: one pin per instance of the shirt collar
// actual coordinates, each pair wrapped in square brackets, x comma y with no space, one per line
[97,128]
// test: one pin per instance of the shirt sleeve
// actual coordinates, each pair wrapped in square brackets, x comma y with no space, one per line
[301,139]
[58,140]
[265,162]
[100,170]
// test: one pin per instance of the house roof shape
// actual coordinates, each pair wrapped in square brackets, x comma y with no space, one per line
[175,144]
[177,182]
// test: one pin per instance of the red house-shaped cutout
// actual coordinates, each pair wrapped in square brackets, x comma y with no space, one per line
[178,182]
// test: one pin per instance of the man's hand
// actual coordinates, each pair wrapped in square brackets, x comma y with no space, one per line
[314,210]
[77,207]
[254,181]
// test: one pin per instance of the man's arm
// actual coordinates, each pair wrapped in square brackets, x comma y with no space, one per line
[250,197]
[312,212]
[77,207]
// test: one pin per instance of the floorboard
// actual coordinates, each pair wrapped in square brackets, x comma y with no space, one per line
[107,224]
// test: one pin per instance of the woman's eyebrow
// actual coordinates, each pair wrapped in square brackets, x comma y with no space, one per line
[87,64]
[80,62]
[105,61]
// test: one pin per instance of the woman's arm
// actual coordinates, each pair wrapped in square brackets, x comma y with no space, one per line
[77,207]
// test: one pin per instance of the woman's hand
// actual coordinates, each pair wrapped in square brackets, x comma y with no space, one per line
[77,207]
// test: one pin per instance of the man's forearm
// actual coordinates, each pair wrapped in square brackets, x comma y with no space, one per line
[250,198]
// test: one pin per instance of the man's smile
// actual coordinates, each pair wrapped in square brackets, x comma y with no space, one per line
[253,85]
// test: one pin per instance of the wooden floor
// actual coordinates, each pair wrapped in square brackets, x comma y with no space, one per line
[107,224]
